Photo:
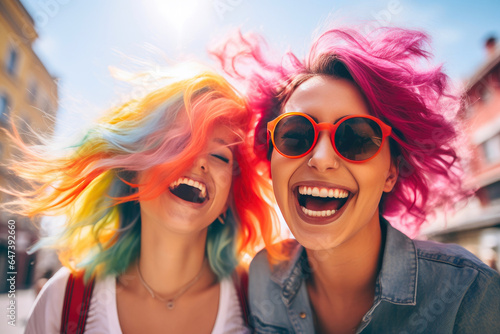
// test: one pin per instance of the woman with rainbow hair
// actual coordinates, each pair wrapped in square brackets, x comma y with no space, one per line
[358,134]
[162,198]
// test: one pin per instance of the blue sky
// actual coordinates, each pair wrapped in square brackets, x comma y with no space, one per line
[79,40]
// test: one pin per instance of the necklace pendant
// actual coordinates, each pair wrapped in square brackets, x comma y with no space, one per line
[170,304]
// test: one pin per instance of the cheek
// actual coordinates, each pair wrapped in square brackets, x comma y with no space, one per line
[372,176]
[223,179]
[278,178]
[282,170]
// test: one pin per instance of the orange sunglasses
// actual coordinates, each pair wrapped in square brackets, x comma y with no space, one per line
[355,138]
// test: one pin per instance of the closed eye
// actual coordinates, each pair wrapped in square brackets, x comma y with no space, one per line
[220,157]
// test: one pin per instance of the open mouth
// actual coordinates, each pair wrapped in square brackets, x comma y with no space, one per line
[321,201]
[189,190]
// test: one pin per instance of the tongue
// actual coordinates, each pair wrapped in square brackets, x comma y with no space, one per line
[188,193]
[320,204]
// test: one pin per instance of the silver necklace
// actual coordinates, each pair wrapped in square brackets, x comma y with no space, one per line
[169,302]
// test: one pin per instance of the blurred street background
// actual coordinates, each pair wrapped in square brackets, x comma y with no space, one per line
[55,59]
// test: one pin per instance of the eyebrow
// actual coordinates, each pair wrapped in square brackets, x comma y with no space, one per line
[220,141]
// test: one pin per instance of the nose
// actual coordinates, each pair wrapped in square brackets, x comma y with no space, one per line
[323,156]
[201,164]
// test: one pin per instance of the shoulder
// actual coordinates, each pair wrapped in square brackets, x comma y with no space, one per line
[53,291]
[265,272]
[471,283]
[230,316]
[451,255]
[259,275]
[46,314]
[266,281]
[261,263]
[59,278]
[439,260]
[275,285]
[47,308]
[462,282]
[227,290]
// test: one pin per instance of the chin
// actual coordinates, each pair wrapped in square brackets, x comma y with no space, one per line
[320,237]
[318,241]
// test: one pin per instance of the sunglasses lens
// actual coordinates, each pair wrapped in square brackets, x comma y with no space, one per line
[358,138]
[294,135]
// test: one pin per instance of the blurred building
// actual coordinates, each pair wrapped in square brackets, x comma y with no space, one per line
[477,226]
[28,98]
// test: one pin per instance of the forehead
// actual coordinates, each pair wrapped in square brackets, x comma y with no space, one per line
[326,97]
[219,133]
[224,135]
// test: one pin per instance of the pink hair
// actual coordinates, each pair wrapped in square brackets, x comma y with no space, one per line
[387,67]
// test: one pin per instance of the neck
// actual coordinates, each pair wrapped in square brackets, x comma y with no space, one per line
[169,260]
[351,268]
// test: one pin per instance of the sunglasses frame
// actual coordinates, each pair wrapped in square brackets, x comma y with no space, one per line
[318,127]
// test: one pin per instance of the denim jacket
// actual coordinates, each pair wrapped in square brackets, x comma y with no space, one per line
[422,287]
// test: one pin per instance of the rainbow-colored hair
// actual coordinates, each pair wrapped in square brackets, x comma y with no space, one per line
[386,66]
[93,183]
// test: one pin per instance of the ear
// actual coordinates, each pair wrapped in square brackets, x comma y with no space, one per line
[392,176]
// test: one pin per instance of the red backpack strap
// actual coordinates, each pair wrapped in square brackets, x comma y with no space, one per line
[76,304]
[240,280]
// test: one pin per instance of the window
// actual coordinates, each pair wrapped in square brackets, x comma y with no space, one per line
[4,108]
[12,61]
[491,149]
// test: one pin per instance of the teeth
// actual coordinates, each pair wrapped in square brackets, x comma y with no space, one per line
[323,192]
[192,183]
[324,213]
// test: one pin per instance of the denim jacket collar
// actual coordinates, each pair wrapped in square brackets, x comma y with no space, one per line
[398,275]
[397,280]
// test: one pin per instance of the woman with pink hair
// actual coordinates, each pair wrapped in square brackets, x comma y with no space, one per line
[356,135]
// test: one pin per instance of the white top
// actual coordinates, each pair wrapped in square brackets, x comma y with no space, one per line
[45,316]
